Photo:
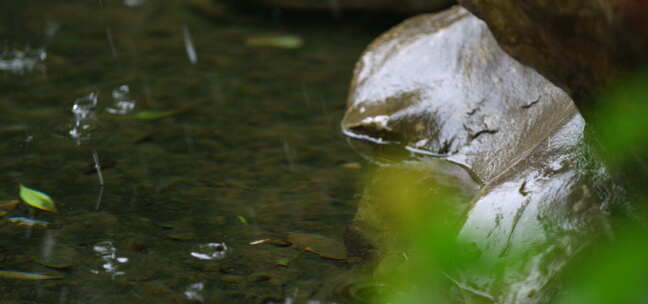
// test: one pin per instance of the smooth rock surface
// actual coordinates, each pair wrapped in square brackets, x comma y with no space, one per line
[440,89]
[582,45]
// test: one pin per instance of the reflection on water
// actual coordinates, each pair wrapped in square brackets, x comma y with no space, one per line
[150,207]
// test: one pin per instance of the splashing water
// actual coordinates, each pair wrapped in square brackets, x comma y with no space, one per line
[211,251]
[194,292]
[23,61]
[107,251]
[84,117]
[123,102]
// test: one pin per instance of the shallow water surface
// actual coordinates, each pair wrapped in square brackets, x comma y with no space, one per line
[249,149]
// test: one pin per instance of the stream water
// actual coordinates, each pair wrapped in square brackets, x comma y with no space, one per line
[250,149]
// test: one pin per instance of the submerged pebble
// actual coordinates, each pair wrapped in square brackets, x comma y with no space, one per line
[19,275]
[9,205]
[60,256]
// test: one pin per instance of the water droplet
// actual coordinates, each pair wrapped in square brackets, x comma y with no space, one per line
[194,292]
[23,61]
[123,103]
[108,253]
[211,251]
[134,3]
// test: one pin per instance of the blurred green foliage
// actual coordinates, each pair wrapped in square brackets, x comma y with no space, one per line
[621,121]
[613,271]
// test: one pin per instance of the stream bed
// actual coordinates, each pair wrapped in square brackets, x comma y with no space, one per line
[181,153]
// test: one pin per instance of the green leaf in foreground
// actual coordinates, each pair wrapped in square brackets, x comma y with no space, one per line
[37,199]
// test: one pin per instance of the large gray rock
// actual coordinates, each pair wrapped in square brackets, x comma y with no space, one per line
[582,45]
[441,90]
[585,47]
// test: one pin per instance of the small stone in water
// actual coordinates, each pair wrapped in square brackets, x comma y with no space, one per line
[10,205]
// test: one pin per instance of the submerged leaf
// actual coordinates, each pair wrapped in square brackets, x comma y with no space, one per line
[10,205]
[352,165]
[282,42]
[283,262]
[37,199]
[60,256]
[324,247]
[153,114]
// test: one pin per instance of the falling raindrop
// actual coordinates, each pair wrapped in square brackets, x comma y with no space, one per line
[189,47]
[110,42]
[97,166]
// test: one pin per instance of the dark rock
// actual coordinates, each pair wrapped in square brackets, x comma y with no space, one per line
[581,45]
[469,119]
[390,6]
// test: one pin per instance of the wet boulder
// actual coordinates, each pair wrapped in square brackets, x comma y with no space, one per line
[581,45]
[589,48]
[468,117]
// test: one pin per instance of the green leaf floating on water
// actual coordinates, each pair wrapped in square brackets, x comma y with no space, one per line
[154,114]
[242,219]
[37,199]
